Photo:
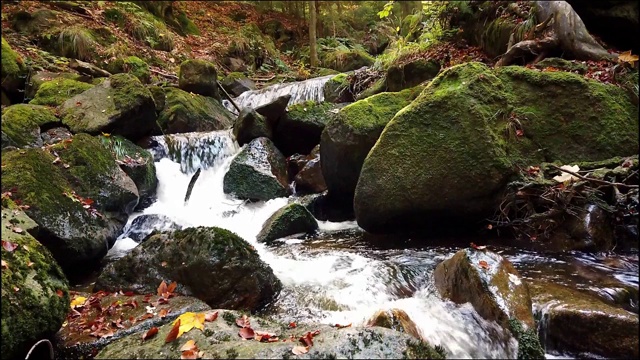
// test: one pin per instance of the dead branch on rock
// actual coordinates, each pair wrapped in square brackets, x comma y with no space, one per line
[597,181]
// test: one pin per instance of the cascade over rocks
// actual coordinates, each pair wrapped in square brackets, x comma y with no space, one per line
[395,319]
[236,277]
[450,153]
[289,220]
[258,172]
[199,77]
[142,226]
[184,112]
[119,105]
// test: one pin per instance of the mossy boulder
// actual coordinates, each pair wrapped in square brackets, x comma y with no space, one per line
[220,339]
[236,276]
[448,156]
[404,76]
[578,322]
[236,83]
[258,172]
[39,78]
[250,125]
[199,77]
[22,124]
[35,296]
[56,92]
[289,220]
[13,73]
[132,65]
[77,195]
[495,289]
[34,23]
[185,112]
[346,60]
[395,319]
[337,89]
[348,137]
[562,64]
[72,342]
[299,130]
[377,87]
[120,105]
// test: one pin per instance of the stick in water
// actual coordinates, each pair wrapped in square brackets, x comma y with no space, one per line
[191,183]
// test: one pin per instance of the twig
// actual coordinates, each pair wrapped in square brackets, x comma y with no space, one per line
[263,79]
[36,345]
[229,97]
[598,181]
[169,76]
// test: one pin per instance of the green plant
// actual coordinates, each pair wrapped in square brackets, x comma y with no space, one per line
[76,42]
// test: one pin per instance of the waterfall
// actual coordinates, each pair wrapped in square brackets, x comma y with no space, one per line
[300,91]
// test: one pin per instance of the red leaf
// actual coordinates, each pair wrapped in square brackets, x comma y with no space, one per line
[173,334]
[483,264]
[172,287]
[211,316]
[149,334]
[129,293]
[519,133]
[59,293]
[162,288]
[9,246]
[189,354]
[246,333]
[292,325]
[307,339]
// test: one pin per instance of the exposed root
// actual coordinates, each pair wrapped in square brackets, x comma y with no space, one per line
[362,79]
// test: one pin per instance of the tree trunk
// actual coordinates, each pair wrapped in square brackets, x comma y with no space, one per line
[313,51]
[339,7]
[319,25]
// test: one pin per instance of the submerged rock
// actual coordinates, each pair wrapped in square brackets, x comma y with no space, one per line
[35,297]
[448,156]
[184,112]
[578,322]
[236,277]
[289,220]
[258,172]
[220,339]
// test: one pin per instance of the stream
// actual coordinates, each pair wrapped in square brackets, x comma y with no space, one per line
[342,275]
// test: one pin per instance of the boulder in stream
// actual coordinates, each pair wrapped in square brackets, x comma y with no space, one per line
[144,225]
[495,289]
[289,220]
[35,297]
[310,179]
[199,77]
[258,172]
[395,319]
[220,339]
[184,112]
[250,125]
[236,277]
[274,110]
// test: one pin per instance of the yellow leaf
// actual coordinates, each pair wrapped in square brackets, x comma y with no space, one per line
[627,57]
[188,321]
[105,134]
[79,301]
[398,29]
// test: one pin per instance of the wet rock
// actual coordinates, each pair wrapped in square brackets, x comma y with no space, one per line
[119,105]
[235,64]
[325,207]
[22,123]
[337,89]
[236,83]
[55,135]
[494,287]
[35,297]
[220,340]
[142,226]
[450,120]
[258,172]
[310,178]
[295,163]
[578,322]
[394,319]
[184,112]
[128,312]
[250,125]
[236,276]
[591,229]
[78,233]
[199,77]
[400,77]
[348,137]
[274,110]
[289,220]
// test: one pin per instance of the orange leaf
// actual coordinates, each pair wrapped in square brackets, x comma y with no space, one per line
[6,266]
[189,345]
[246,333]
[483,264]
[292,325]
[173,334]
[162,288]
[149,334]
[189,354]
[243,321]
[172,287]
[211,316]
[299,350]
[163,312]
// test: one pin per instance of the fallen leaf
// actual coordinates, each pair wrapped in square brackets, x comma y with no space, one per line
[78,301]
[564,177]
[59,293]
[188,321]
[163,264]
[56,160]
[292,325]
[17,230]
[246,333]
[627,57]
[163,312]
[519,133]
[342,326]
[172,287]
[149,334]
[189,354]
[478,247]
[189,345]
[243,321]
[211,317]
[6,266]
[30,264]
[162,288]
[173,334]
[483,264]
[299,350]
[16,289]
[9,246]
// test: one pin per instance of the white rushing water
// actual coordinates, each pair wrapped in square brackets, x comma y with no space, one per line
[327,285]
[300,91]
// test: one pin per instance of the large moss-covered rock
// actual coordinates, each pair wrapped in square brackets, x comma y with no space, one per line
[120,315]
[185,112]
[298,131]
[289,220]
[495,289]
[132,65]
[119,105]
[450,153]
[56,92]
[77,232]
[13,73]
[22,123]
[35,297]
[258,172]
[220,339]
[400,77]
[575,321]
[348,137]
[236,277]
[250,125]
[199,77]
[39,78]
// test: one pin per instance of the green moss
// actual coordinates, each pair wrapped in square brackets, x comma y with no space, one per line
[187,26]
[337,89]
[126,90]
[377,87]
[133,65]
[346,60]
[310,112]
[136,162]
[184,112]
[22,122]
[529,346]
[57,91]
[12,64]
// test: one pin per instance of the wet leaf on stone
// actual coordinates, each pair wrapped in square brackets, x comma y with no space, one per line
[151,333]
[299,350]
[243,321]
[162,288]
[9,246]
[246,333]
[173,334]
[189,345]
[172,287]
[211,316]
[189,354]
[17,230]
[483,264]
[188,321]
[163,312]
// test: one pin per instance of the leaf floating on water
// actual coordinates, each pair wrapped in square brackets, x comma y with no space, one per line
[299,350]
[246,333]
[149,334]
[173,334]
